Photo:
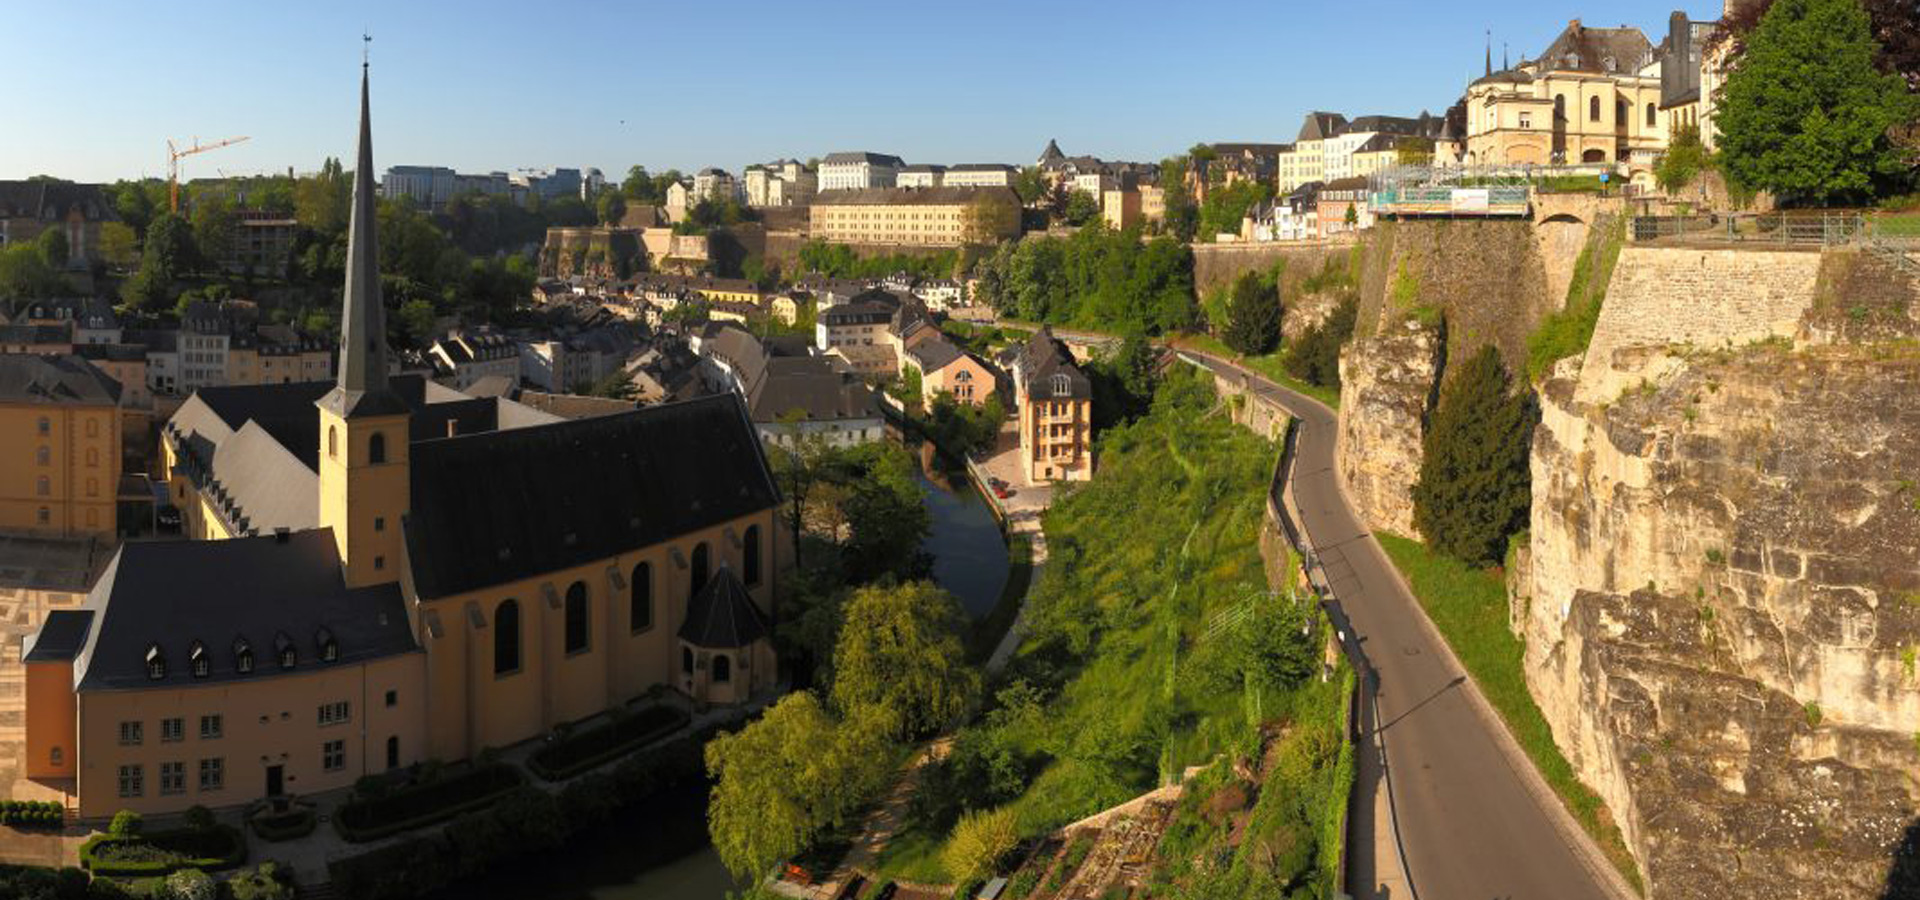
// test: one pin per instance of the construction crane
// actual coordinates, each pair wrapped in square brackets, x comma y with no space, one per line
[173,165]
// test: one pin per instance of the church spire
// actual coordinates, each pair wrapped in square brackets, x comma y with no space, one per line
[1489,51]
[363,339]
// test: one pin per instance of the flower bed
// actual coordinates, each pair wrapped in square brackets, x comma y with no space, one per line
[32,813]
[583,750]
[163,852]
[372,818]
[297,822]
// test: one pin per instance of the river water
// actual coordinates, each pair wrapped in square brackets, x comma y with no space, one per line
[659,851]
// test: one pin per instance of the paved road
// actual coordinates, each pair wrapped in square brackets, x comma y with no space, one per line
[1471,819]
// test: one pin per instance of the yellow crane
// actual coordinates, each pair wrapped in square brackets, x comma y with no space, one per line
[173,164]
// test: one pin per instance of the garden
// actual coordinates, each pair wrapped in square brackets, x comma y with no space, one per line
[434,793]
[573,753]
[128,850]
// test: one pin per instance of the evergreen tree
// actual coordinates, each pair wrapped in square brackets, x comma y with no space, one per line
[1314,357]
[1805,112]
[1473,491]
[1253,316]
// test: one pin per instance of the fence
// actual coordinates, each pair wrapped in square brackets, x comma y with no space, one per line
[1782,229]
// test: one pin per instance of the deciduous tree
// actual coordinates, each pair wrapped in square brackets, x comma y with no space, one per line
[900,662]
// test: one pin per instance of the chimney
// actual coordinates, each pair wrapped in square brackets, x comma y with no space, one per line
[280,535]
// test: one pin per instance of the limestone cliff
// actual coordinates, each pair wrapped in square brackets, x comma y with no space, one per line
[1387,385]
[1720,594]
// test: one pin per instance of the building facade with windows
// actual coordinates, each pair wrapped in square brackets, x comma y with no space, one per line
[857,170]
[1593,96]
[925,217]
[1054,403]
[60,431]
[384,572]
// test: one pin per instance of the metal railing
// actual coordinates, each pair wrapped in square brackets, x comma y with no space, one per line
[1825,229]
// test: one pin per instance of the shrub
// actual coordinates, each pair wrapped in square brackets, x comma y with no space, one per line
[367,818]
[980,841]
[1314,357]
[579,751]
[297,822]
[32,813]
[199,818]
[163,852]
[1023,884]
[268,881]
[191,884]
[126,823]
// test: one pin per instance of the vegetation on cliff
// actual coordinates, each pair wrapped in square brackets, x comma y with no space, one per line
[1568,330]
[1099,278]
[1473,489]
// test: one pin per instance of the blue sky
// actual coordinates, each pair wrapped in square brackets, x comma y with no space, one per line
[98,87]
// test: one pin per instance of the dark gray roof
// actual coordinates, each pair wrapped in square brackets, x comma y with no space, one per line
[982,167]
[507,505]
[60,637]
[1612,51]
[35,334]
[258,591]
[811,386]
[1052,152]
[922,167]
[1041,358]
[723,616]
[862,156]
[935,353]
[1322,125]
[50,200]
[65,379]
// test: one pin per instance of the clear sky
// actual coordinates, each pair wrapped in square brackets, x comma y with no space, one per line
[98,87]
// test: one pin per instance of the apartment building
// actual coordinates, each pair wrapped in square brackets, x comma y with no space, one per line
[927,217]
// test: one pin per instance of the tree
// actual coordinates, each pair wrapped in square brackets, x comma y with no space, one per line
[900,662]
[1686,156]
[612,207]
[1807,114]
[1227,205]
[783,780]
[1414,151]
[214,222]
[1081,208]
[322,201]
[989,218]
[416,320]
[886,519]
[1314,357]
[1031,185]
[1895,26]
[26,274]
[117,241]
[1473,490]
[1253,316]
[1182,214]
[168,252]
[980,843]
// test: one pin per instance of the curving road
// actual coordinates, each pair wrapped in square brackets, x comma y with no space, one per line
[1476,822]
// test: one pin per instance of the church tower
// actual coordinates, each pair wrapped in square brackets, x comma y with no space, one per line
[364,484]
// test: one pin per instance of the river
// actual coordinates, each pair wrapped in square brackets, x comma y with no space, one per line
[659,851]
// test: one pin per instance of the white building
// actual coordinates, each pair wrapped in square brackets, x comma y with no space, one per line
[429,187]
[924,175]
[860,169]
[712,184]
[979,175]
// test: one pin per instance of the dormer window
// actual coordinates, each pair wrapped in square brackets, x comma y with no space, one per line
[156,662]
[197,660]
[329,648]
[283,649]
[1060,385]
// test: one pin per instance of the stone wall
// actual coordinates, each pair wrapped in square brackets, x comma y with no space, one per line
[1720,595]
[1387,386]
[1487,278]
[1257,414]
[1215,265]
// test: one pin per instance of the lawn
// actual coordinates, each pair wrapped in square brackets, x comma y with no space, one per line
[1268,366]
[1469,606]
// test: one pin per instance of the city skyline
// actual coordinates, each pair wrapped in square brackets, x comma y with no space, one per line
[687,98]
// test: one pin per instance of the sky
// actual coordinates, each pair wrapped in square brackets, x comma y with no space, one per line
[99,87]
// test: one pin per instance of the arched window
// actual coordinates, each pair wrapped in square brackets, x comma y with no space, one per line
[393,751]
[242,656]
[700,571]
[377,448]
[333,442]
[641,613]
[1593,108]
[577,617]
[506,637]
[1061,385]
[1620,112]
[1653,115]
[42,486]
[329,647]
[686,660]
[1560,108]
[156,662]
[43,455]
[722,668]
[750,556]
[197,659]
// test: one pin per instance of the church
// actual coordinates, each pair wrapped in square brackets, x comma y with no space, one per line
[382,571]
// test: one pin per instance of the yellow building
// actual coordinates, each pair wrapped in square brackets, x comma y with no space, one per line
[1592,97]
[1055,409]
[945,368]
[928,217]
[386,574]
[60,435]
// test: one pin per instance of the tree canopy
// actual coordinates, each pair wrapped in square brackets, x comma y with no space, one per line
[1473,491]
[1253,315]
[900,663]
[1098,278]
[1806,111]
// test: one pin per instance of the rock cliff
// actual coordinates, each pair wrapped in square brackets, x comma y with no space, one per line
[1720,592]
[1387,385]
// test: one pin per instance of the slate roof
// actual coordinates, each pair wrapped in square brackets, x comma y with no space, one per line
[50,200]
[1611,51]
[507,505]
[35,334]
[981,167]
[1041,358]
[935,196]
[862,156]
[220,593]
[812,385]
[60,637]
[922,168]
[65,379]
[1321,125]
[723,616]
[935,353]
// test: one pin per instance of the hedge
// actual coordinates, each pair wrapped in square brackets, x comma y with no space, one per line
[212,850]
[576,753]
[371,818]
[32,813]
[297,822]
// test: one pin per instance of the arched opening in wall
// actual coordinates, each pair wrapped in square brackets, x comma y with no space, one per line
[750,556]
[576,625]
[1563,219]
[640,611]
[722,668]
[506,637]
[1594,156]
[393,752]
[1593,109]
[686,660]
[700,566]
[377,448]
[1620,113]
[1653,115]
[333,442]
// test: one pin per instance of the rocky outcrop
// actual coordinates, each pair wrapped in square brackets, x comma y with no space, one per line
[1720,595]
[1387,386]
[1303,311]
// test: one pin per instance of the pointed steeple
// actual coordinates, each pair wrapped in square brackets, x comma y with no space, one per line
[363,330]
[1489,51]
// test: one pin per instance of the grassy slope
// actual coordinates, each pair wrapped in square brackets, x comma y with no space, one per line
[1268,365]
[1469,606]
